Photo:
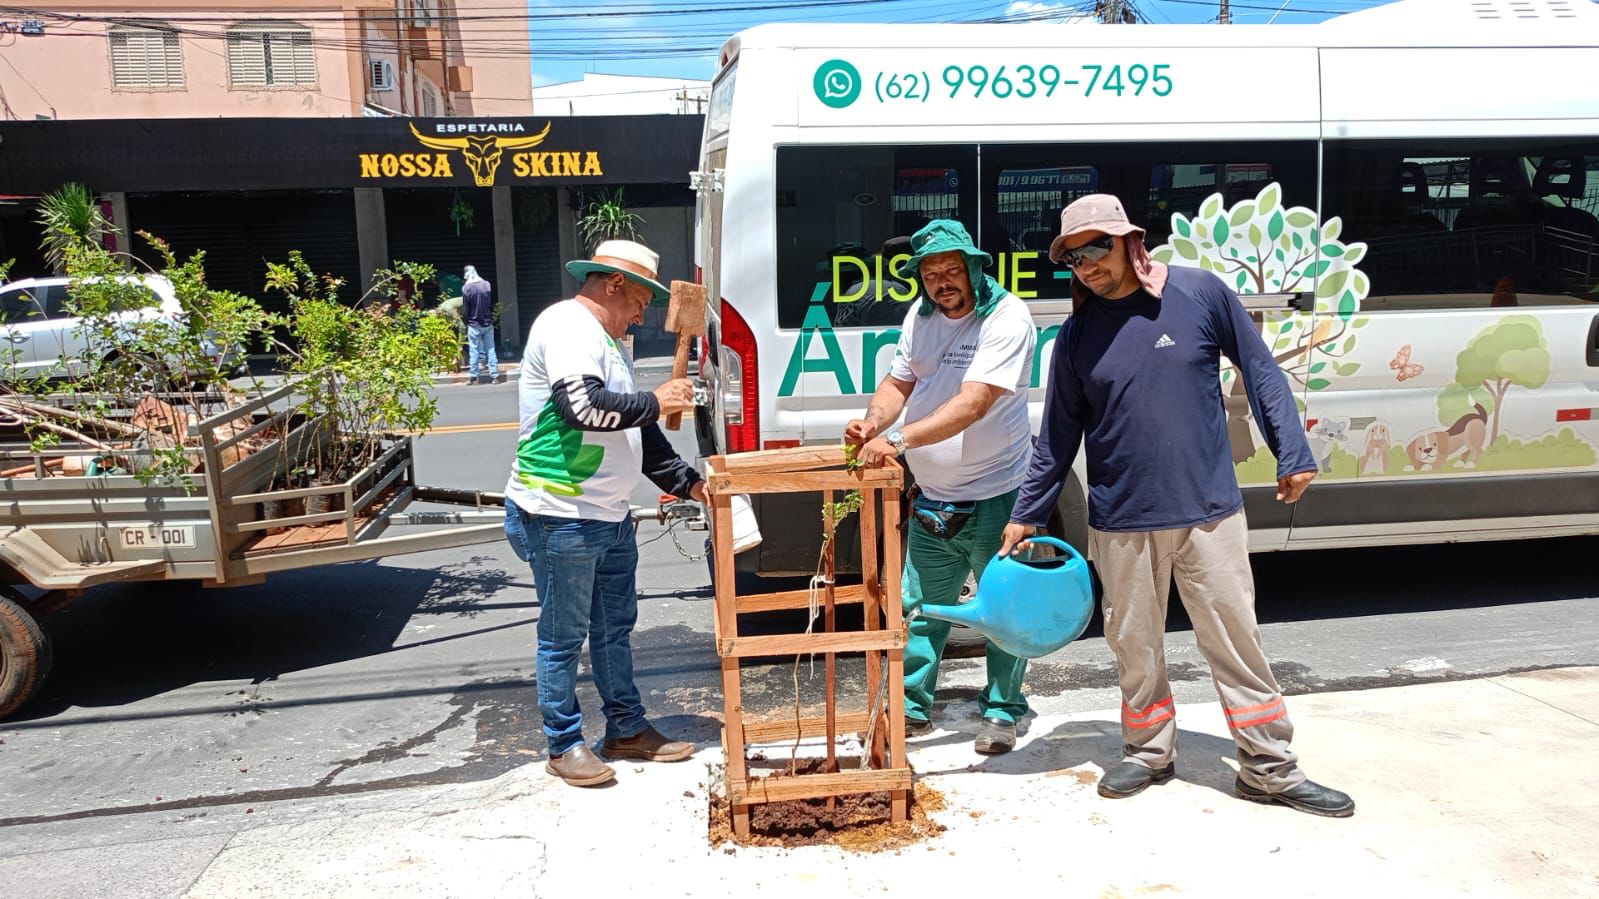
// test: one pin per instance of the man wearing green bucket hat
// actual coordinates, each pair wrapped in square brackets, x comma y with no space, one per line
[586,435]
[960,376]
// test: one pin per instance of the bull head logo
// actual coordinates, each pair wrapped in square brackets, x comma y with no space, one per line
[482,154]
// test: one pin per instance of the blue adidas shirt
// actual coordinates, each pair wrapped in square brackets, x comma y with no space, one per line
[1137,381]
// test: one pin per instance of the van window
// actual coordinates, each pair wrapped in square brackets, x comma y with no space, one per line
[844,214]
[1470,224]
[1025,187]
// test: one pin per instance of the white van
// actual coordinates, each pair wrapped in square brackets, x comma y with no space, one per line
[1406,197]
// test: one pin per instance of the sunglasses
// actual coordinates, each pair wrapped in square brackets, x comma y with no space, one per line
[1093,251]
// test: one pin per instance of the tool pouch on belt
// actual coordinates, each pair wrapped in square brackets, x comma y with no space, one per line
[942,520]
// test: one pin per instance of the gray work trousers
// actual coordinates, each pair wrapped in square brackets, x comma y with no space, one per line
[1211,565]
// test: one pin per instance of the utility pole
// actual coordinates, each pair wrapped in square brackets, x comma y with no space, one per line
[1226,15]
[1114,12]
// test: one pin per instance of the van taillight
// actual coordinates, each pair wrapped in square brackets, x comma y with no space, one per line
[742,396]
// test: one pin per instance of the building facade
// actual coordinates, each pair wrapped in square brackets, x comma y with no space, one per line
[245,58]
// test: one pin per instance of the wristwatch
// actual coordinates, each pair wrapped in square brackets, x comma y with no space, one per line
[896,439]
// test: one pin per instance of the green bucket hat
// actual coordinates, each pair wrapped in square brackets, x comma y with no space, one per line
[949,236]
[941,236]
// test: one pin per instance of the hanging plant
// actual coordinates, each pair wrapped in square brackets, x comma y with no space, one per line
[608,219]
[461,213]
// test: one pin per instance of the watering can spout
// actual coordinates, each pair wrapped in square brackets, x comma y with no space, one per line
[965,614]
[1027,607]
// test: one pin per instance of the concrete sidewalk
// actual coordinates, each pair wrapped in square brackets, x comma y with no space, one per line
[1484,787]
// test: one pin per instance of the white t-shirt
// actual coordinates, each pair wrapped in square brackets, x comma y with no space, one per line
[940,354]
[559,470]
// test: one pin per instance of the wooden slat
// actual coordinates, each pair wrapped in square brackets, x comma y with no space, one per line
[795,644]
[796,599]
[727,628]
[781,730]
[797,458]
[807,481]
[758,790]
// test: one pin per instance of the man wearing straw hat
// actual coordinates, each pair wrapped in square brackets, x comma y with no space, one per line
[1134,378]
[586,435]
[960,374]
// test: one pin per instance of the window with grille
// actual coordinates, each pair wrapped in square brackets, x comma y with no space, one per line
[145,58]
[271,55]
[430,102]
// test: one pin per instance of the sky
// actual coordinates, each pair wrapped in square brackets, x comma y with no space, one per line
[680,38]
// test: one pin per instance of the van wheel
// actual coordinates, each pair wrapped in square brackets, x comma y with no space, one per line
[24,655]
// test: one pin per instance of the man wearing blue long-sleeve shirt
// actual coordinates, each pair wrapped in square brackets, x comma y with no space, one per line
[1135,378]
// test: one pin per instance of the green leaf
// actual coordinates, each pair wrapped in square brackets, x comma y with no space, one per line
[1243,276]
[1269,197]
[1347,369]
[1329,287]
[1330,347]
[1314,369]
[1274,227]
[1349,345]
[1252,258]
[1162,254]
[1334,226]
[1347,306]
[1288,325]
[1204,263]
[1318,384]
[1362,284]
[1185,248]
[1299,242]
[1354,253]
[1281,256]
[1315,269]
[1182,226]
[1233,252]
[1220,229]
[1361,322]
[1241,213]
[1211,207]
[1255,237]
[1333,250]
[1301,218]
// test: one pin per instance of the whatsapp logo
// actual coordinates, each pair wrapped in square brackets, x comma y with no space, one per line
[837,83]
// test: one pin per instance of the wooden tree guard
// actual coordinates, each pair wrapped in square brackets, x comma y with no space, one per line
[807,469]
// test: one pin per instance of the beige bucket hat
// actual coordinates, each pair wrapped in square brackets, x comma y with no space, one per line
[1103,212]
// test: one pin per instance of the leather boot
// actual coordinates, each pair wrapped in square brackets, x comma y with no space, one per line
[580,767]
[648,745]
[996,737]
[1130,779]
[1308,797]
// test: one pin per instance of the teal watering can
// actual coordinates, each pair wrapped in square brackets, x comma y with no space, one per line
[1028,608]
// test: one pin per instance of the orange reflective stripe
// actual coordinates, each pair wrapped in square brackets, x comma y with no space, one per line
[1130,714]
[1252,708]
[1166,715]
[1256,722]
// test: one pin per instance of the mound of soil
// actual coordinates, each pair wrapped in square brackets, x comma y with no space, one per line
[857,823]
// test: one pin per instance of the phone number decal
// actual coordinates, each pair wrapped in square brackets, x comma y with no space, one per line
[1027,82]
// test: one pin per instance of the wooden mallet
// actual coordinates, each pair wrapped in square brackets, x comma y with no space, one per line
[685,317]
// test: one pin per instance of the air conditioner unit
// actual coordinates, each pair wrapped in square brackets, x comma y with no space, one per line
[382,73]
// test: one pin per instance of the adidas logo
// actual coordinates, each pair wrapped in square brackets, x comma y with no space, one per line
[1164,341]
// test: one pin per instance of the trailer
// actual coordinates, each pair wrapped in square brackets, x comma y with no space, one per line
[225,525]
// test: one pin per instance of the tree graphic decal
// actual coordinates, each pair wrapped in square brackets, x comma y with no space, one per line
[1512,351]
[1260,246]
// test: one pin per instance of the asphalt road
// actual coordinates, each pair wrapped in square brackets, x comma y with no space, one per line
[177,716]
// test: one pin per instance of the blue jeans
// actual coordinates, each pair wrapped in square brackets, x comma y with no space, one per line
[480,348]
[584,571]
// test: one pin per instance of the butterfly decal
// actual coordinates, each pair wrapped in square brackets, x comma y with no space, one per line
[1402,364]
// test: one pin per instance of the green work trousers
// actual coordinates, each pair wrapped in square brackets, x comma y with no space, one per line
[935,571]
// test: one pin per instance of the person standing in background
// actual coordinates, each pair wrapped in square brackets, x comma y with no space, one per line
[477,307]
